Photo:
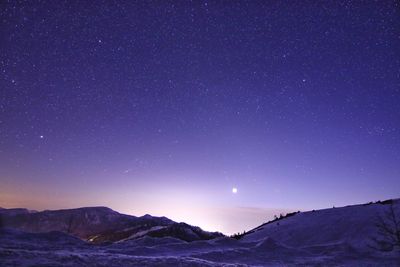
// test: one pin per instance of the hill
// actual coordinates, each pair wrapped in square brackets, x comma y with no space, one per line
[330,237]
[99,224]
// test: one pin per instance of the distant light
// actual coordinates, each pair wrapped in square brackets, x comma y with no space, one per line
[234,190]
[41,137]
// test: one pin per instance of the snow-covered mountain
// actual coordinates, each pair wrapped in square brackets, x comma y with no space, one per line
[99,224]
[354,226]
[330,237]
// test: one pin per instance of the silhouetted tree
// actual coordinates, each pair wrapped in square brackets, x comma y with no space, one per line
[69,224]
[238,235]
[388,225]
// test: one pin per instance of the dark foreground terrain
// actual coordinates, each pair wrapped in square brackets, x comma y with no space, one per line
[101,237]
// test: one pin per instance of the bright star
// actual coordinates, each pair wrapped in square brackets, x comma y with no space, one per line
[234,190]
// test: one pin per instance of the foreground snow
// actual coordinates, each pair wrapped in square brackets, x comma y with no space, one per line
[56,249]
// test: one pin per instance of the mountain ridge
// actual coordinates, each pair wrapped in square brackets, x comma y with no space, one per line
[328,237]
[380,202]
[97,224]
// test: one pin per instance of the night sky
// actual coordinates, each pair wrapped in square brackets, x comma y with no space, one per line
[164,107]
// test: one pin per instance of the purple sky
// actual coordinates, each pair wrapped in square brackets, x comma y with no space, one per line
[162,108]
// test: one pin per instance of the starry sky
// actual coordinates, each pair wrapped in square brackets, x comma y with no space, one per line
[163,107]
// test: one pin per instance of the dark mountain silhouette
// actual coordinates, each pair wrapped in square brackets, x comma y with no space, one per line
[99,224]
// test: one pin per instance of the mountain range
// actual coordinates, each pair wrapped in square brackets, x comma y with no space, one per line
[347,236]
[100,224]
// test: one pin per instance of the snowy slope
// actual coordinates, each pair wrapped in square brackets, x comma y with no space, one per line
[330,237]
[351,225]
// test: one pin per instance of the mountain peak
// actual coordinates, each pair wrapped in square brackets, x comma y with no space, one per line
[100,224]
